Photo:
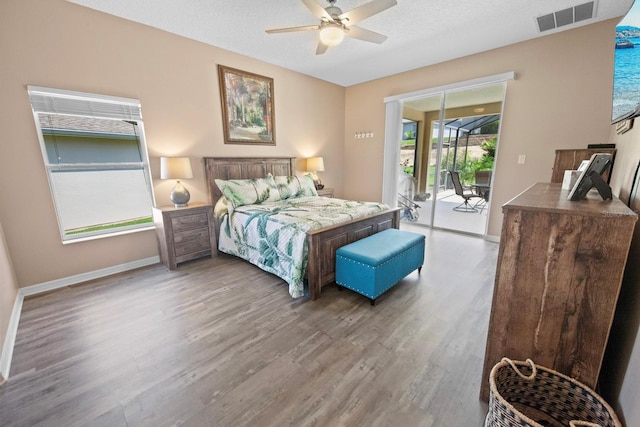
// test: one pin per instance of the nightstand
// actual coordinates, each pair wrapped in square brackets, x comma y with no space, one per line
[185,233]
[325,192]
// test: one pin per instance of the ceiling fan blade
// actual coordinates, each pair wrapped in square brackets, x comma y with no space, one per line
[316,9]
[322,48]
[366,10]
[291,29]
[366,35]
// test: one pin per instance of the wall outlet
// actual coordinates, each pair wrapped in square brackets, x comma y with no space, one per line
[521,159]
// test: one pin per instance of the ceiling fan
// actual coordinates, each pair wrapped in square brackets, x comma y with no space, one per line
[335,25]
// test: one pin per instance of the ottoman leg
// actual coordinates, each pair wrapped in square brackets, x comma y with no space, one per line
[419,269]
[372,301]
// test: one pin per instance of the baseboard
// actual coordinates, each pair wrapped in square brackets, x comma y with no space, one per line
[490,238]
[10,338]
[84,277]
[12,330]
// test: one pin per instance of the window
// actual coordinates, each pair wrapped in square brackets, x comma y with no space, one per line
[96,161]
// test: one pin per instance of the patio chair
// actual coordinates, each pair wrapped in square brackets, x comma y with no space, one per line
[482,187]
[466,194]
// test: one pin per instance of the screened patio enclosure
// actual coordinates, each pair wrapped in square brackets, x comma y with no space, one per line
[461,148]
[456,148]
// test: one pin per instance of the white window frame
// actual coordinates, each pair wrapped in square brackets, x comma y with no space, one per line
[46,100]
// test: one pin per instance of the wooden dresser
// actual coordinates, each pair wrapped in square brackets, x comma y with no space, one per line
[185,233]
[560,267]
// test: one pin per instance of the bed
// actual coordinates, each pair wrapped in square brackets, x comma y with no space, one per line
[321,243]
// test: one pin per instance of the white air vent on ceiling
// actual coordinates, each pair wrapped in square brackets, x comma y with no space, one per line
[566,16]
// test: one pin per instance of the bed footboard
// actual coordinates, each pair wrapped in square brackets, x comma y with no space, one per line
[324,242]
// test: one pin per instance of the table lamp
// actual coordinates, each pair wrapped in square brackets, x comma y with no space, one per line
[177,168]
[315,165]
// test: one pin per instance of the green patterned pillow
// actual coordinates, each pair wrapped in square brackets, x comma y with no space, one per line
[240,192]
[295,186]
[307,186]
[221,207]
[288,186]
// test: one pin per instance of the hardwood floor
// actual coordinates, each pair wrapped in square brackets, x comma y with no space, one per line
[221,343]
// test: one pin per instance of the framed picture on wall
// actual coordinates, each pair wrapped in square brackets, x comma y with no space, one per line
[247,107]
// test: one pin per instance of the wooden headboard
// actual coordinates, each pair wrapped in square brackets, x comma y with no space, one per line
[244,168]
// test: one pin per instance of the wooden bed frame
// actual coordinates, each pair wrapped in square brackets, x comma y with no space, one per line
[322,243]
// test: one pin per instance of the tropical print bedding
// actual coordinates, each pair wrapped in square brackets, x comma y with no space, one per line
[272,235]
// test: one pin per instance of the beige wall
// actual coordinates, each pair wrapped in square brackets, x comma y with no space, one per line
[8,292]
[63,45]
[561,98]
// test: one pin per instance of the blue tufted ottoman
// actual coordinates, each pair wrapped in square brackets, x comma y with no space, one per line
[374,264]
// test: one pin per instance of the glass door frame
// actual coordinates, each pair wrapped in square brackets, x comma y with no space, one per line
[393,130]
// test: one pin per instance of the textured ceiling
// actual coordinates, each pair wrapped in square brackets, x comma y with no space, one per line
[420,32]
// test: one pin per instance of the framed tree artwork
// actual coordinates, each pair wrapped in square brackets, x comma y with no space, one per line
[247,107]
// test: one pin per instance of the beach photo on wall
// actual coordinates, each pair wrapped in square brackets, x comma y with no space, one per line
[626,69]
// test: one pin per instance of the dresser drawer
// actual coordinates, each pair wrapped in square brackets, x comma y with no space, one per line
[191,241]
[187,222]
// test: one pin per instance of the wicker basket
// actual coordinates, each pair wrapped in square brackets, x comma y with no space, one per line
[522,392]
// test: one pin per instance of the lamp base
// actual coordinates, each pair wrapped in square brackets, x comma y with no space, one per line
[180,196]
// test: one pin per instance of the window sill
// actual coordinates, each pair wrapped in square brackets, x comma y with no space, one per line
[103,236]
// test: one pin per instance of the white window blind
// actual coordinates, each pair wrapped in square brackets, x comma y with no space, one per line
[58,101]
[96,161]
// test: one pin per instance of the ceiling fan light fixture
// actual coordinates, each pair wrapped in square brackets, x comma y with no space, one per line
[331,34]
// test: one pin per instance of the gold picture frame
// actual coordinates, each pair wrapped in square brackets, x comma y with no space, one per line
[247,107]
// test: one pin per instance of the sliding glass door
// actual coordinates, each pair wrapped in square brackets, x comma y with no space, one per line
[456,134]
[471,127]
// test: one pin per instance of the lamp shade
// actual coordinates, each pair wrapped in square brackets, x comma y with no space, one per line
[175,168]
[315,164]
[331,34]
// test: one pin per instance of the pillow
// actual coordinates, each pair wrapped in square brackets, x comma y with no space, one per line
[307,186]
[221,207]
[295,186]
[240,192]
[288,186]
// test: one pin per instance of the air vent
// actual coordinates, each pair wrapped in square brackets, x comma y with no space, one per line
[566,16]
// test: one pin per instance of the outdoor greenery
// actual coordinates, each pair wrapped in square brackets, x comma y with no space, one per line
[408,143]
[489,153]
[110,226]
[410,134]
[468,167]
[408,140]
[490,128]
[406,168]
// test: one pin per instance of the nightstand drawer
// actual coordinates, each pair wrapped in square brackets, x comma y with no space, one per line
[184,233]
[191,241]
[187,222]
[325,192]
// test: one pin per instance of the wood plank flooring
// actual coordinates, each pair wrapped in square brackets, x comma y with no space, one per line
[221,343]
